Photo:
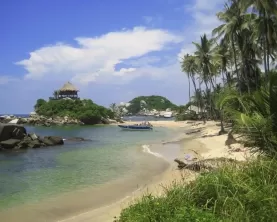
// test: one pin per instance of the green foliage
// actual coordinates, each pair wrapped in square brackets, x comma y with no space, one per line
[187,115]
[254,115]
[247,193]
[152,102]
[165,209]
[84,110]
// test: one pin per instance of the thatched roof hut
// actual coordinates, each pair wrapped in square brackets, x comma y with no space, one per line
[68,87]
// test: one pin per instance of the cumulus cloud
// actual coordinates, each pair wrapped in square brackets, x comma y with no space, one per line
[95,59]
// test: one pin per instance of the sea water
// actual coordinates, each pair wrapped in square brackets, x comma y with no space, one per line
[37,174]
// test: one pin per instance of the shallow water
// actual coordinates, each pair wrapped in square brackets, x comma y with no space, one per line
[37,174]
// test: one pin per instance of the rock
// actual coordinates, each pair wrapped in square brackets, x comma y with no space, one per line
[193,131]
[105,121]
[55,140]
[11,131]
[46,141]
[230,139]
[33,136]
[34,144]
[77,139]
[10,143]
[112,121]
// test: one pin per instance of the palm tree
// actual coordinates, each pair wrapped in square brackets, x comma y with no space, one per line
[229,30]
[189,66]
[204,59]
[266,10]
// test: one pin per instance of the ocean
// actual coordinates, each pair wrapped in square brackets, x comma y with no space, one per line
[112,154]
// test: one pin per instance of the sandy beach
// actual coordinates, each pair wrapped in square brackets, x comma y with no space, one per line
[204,144]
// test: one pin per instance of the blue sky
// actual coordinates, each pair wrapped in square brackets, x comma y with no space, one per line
[111,50]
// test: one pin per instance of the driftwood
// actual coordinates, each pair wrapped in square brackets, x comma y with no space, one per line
[206,164]
[193,131]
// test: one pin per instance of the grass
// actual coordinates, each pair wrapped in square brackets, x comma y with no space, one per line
[231,194]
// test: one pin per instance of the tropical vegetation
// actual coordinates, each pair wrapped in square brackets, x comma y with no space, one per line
[233,79]
[85,110]
[142,103]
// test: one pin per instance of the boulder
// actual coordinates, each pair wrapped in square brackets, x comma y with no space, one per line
[33,136]
[47,142]
[10,143]
[55,140]
[34,144]
[77,139]
[11,131]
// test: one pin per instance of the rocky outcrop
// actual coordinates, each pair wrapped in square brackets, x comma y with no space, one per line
[37,120]
[15,137]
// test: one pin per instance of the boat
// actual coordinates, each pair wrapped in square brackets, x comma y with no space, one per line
[138,127]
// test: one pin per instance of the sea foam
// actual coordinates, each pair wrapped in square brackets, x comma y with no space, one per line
[146,149]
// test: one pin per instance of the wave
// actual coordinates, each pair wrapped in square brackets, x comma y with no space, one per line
[146,149]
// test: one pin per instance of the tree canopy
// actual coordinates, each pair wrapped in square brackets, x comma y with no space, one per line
[85,110]
[149,103]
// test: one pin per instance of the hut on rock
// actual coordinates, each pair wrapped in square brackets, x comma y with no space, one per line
[67,91]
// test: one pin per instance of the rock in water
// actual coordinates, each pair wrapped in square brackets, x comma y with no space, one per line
[11,131]
[55,140]
[9,144]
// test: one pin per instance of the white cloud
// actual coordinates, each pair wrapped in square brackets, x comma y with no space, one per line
[95,58]
[204,17]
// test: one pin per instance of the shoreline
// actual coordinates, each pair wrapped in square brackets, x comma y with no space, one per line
[66,205]
[91,210]
[206,144]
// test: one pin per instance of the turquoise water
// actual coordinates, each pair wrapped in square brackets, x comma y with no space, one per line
[36,174]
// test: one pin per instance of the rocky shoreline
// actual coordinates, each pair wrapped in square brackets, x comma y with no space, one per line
[37,120]
[15,137]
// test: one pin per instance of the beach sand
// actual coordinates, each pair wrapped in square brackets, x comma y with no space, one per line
[205,144]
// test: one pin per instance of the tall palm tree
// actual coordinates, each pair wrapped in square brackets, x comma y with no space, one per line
[189,66]
[204,58]
[232,21]
[267,11]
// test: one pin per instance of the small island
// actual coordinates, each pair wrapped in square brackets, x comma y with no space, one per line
[65,108]
[153,105]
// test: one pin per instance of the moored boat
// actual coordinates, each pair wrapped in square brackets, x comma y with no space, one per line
[142,126]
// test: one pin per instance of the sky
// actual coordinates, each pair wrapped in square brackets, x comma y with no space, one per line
[112,51]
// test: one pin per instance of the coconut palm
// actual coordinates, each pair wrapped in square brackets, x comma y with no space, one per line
[266,24]
[232,21]
[204,58]
[189,66]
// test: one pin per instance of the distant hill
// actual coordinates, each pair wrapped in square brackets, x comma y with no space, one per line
[140,103]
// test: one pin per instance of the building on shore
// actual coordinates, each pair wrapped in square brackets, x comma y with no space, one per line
[68,91]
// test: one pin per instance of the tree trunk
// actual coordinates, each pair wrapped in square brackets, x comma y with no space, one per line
[236,65]
[189,93]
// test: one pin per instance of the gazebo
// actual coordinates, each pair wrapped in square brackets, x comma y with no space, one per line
[67,91]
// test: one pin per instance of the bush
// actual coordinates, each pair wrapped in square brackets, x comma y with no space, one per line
[230,194]
[84,110]
[188,115]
